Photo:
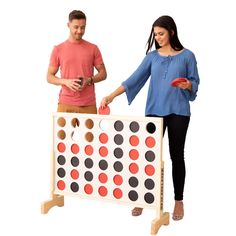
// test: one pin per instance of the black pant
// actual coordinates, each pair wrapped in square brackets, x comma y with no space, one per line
[177,127]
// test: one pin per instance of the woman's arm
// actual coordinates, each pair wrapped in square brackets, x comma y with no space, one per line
[108,99]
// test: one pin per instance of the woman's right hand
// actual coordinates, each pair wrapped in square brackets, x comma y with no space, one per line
[105,101]
[108,99]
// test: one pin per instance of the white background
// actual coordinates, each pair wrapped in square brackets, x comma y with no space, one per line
[30,29]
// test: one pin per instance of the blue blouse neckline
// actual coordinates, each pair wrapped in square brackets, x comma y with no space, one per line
[183,50]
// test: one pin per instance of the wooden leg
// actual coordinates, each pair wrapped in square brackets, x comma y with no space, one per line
[157,223]
[56,200]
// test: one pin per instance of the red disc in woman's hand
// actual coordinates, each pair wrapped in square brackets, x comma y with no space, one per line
[177,81]
[104,111]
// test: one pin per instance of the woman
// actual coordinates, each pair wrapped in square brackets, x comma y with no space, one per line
[166,99]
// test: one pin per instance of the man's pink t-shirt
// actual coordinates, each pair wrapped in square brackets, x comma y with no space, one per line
[76,60]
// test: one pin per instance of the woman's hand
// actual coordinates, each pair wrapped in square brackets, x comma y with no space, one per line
[105,101]
[185,85]
[108,99]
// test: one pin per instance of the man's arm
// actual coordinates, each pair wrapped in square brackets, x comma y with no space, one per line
[101,75]
[51,76]
[53,79]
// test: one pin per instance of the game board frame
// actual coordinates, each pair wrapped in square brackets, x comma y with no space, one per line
[162,218]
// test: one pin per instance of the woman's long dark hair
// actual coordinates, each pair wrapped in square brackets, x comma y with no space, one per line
[168,23]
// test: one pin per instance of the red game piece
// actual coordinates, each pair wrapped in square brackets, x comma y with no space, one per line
[104,111]
[176,81]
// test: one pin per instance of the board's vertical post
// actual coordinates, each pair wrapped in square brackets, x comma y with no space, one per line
[161,218]
[56,199]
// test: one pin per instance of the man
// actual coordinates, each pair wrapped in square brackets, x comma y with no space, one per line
[76,59]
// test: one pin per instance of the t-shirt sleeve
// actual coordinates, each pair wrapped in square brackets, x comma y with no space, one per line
[98,60]
[54,59]
[137,80]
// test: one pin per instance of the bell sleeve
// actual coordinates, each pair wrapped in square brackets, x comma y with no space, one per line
[192,75]
[138,79]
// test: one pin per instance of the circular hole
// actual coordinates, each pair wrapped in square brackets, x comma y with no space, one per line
[88,188]
[134,140]
[75,135]
[103,151]
[118,166]
[149,170]
[61,122]
[61,185]
[117,193]
[134,126]
[149,198]
[118,139]
[89,136]
[75,122]
[61,172]
[117,179]
[61,134]
[89,123]
[103,165]
[74,187]
[88,163]
[133,195]
[150,142]
[134,154]
[104,125]
[88,150]
[61,147]
[88,175]
[118,125]
[118,153]
[61,160]
[133,182]
[102,191]
[103,178]
[74,174]
[151,128]
[149,184]
[74,148]
[74,161]
[103,138]
[150,156]
[133,168]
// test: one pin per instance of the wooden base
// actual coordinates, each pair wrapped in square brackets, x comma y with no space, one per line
[57,200]
[157,223]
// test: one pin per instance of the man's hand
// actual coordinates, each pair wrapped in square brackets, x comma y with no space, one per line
[84,82]
[72,84]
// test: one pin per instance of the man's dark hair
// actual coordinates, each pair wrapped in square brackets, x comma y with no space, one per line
[76,15]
